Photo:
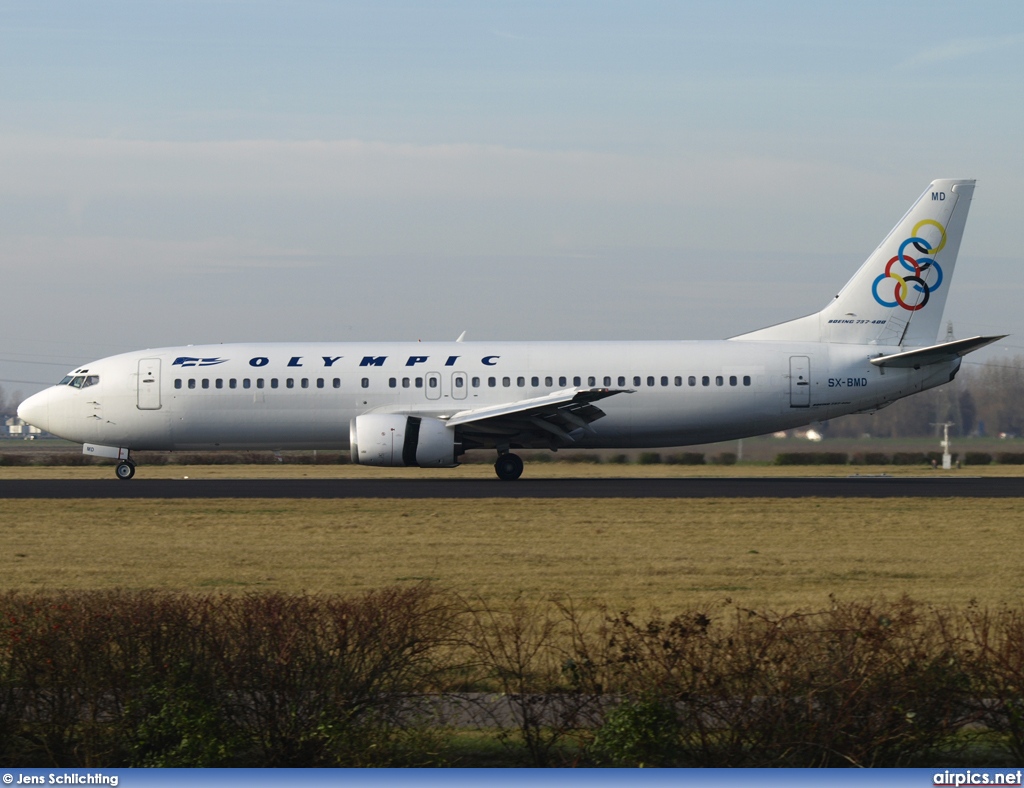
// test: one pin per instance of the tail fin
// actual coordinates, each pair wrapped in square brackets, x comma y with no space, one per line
[898,295]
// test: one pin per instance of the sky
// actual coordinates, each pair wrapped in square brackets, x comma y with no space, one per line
[176,171]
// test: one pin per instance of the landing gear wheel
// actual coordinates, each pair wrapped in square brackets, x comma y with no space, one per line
[509,467]
[125,470]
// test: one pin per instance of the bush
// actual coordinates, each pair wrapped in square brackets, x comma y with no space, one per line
[1010,458]
[686,458]
[115,679]
[648,458]
[811,458]
[910,458]
[869,458]
[977,458]
[143,679]
[725,458]
[878,684]
[638,733]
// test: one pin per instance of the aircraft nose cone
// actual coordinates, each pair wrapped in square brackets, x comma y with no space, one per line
[36,411]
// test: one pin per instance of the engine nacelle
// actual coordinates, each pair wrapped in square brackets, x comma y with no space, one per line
[393,440]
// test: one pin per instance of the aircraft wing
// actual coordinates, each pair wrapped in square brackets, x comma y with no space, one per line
[549,419]
[935,354]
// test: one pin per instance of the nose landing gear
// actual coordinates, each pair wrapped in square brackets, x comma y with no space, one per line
[509,467]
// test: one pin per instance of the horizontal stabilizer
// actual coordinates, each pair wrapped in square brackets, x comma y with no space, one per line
[936,354]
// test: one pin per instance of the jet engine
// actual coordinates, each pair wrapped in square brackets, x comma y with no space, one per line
[394,440]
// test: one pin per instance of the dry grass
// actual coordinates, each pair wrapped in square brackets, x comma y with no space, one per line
[646,553]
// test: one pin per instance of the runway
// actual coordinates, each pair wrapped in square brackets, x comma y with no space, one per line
[789,487]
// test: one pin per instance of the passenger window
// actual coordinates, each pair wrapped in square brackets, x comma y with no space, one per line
[393,383]
[177,383]
[232,384]
[219,383]
[679,380]
[206,383]
[535,381]
[476,383]
[319,383]
[650,380]
[746,380]
[419,383]
[432,382]
[506,382]
[664,380]
[732,380]
[305,383]
[259,383]
[549,381]
[622,381]
[636,380]
[577,381]
[336,383]
[458,381]
[191,383]
[521,382]
[692,380]
[492,382]
[562,381]
[705,381]
[246,383]
[718,380]
[289,383]
[405,383]
[591,381]
[365,383]
[273,383]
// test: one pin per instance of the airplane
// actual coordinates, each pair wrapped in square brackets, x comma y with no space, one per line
[424,404]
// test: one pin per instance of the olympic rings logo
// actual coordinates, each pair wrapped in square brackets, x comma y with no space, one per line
[902,282]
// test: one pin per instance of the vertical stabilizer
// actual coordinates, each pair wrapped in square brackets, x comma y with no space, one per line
[898,295]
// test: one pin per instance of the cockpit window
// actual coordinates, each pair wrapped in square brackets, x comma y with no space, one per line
[90,380]
[67,379]
[77,381]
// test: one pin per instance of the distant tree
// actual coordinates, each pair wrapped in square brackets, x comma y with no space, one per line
[968,413]
[997,395]
[9,404]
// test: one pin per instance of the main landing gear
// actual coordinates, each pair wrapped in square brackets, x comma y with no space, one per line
[509,467]
[125,469]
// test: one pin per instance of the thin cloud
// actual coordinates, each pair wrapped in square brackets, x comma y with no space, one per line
[963,48]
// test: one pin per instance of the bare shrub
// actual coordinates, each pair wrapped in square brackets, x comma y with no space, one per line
[865,685]
[149,679]
[997,670]
[535,655]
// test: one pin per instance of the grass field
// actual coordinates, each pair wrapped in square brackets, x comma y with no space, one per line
[640,554]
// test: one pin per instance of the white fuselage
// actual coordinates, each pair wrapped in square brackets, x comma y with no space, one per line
[304,395]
